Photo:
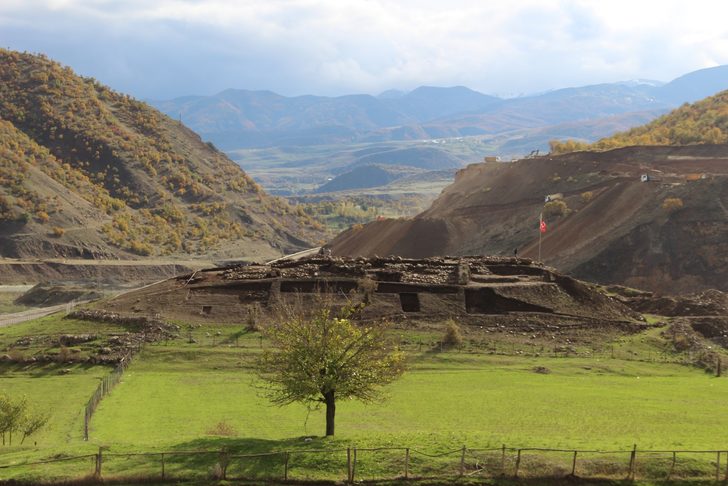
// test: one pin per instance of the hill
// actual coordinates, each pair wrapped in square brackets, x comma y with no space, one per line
[88,172]
[668,234]
[705,121]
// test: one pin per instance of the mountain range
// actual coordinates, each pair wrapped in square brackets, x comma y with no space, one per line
[236,118]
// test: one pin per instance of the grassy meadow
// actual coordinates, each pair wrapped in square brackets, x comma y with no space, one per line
[200,392]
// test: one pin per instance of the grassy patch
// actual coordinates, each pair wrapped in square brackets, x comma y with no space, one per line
[199,392]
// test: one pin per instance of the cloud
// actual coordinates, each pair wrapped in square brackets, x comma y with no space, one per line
[166,48]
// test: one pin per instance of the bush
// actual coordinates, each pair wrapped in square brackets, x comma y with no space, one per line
[587,196]
[57,231]
[453,336]
[555,208]
[672,204]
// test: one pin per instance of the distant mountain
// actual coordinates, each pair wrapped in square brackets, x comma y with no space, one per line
[88,172]
[695,85]
[428,103]
[238,119]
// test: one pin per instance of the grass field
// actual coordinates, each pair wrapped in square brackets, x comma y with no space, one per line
[203,395]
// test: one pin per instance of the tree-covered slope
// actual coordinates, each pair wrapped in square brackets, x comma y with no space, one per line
[154,187]
[703,122]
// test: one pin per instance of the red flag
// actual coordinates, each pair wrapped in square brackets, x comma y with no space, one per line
[542,227]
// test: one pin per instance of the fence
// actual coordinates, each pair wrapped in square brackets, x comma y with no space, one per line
[385,463]
[104,388]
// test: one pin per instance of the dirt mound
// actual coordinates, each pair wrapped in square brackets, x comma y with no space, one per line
[13,272]
[708,303]
[649,217]
[46,295]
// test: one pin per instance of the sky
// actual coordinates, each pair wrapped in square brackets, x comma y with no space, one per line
[161,49]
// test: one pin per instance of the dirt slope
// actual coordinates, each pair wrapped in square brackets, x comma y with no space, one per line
[616,229]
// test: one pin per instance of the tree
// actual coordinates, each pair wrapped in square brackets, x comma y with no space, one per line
[15,416]
[321,356]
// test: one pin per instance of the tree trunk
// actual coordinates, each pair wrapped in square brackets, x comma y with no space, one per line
[330,412]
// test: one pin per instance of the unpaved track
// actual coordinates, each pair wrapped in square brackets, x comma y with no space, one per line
[18,317]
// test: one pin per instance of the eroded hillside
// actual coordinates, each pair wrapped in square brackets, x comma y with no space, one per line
[668,234]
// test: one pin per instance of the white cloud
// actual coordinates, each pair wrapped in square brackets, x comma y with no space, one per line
[171,47]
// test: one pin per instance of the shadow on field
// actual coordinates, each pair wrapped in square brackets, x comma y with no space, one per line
[43,370]
[307,456]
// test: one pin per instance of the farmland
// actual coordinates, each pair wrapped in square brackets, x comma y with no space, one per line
[199,392]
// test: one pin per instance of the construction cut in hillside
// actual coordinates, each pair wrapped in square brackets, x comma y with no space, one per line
[510,292]
[648,217]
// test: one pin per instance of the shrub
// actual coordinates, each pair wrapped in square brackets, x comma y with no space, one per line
[57,231]
[42,216]
[587,196]
[453,336]
[672,204]
[555,208]
[222,429]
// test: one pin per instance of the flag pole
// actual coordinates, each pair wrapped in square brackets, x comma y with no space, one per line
[540,224]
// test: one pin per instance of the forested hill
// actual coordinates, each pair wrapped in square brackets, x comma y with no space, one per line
[86,171]
[703,122]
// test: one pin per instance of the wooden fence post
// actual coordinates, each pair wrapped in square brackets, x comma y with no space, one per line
[573,465]
[632,461]
[503,460]
[223,460]
[672,466]
[348,465]
[162,465]
[406,463]
[462,462]
[99,463]
[717,467]
[285,466]
[353,466]
[518,463]
[726,469]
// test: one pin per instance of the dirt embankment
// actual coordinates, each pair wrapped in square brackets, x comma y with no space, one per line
[608,225]
[16,272]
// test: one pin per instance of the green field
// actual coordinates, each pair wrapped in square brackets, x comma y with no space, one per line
[182,396]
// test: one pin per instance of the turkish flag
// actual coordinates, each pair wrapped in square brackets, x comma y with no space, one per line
[542,227]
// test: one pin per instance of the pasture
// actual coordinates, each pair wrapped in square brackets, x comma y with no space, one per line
[200,392]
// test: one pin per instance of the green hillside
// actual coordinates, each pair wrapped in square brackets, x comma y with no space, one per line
[703,122]
[85,169]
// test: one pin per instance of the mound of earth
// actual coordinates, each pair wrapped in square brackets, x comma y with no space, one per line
[47,295]
[654,218]
[491,292]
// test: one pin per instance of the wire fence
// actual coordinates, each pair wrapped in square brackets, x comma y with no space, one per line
[383,463]
[104,388]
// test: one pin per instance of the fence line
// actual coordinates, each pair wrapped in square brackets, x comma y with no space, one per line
[463,462]
[107,384]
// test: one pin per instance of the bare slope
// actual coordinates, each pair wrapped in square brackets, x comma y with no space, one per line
[615,229]
[93,173]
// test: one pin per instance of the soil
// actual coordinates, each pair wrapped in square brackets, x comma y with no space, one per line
[107,272]
[614,230]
